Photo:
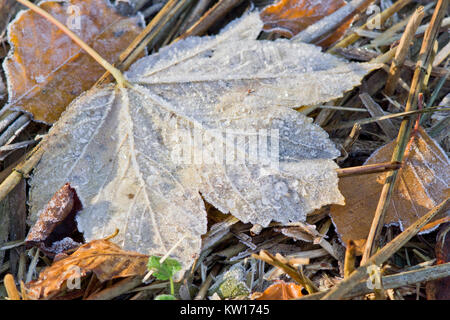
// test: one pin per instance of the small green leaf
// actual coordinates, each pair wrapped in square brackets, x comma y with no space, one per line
[163,271]
[165,297]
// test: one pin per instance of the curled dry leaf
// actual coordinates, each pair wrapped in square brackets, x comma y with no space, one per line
[280,291]
[46,70]
[422,184]
[56,223]
[120,147]
[105,259]
[289,17]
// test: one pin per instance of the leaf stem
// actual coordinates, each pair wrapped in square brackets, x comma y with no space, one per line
[105,64]
[172,288]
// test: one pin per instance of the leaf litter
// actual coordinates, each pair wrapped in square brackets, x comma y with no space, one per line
[115,145]
[230,238]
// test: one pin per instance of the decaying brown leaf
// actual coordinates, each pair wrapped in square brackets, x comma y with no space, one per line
[289,17]
[280,291]
[105,259]
[56,223]
[46,70]
[422,184]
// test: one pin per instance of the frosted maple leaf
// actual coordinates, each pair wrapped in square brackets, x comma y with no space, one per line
[115,145]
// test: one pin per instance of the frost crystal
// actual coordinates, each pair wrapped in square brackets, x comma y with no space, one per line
[115,146]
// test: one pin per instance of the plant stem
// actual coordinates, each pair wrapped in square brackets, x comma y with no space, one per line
[386,117]
[394,281]
[105,64]
[219,10]
[381,18]
[331,22]
[291,271]
[172,288]
[402,50]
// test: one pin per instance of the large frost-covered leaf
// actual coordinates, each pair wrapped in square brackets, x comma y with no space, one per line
[116,146]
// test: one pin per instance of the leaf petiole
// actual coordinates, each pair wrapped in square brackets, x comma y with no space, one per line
[172,287]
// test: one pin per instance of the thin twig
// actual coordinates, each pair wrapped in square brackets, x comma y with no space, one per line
[207,283]
[379,18]
[398,280]
[219,10]
[385,117]
[117,289]
[368,169]
[375,110]
[331,22]
[291,271]
[442,55]
[402,50]
[195,14]
[21,171]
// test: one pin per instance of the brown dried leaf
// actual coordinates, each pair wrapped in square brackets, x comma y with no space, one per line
[289,17]
[422,184]
[105,259]
[280,291]
[46,70]
[56,223]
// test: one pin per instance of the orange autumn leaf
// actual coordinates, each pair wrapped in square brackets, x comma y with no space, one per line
[280,291]
[105,259]
[46,70]
[289,17]
[421,185]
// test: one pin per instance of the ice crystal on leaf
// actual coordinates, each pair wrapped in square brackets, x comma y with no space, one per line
[115,145]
